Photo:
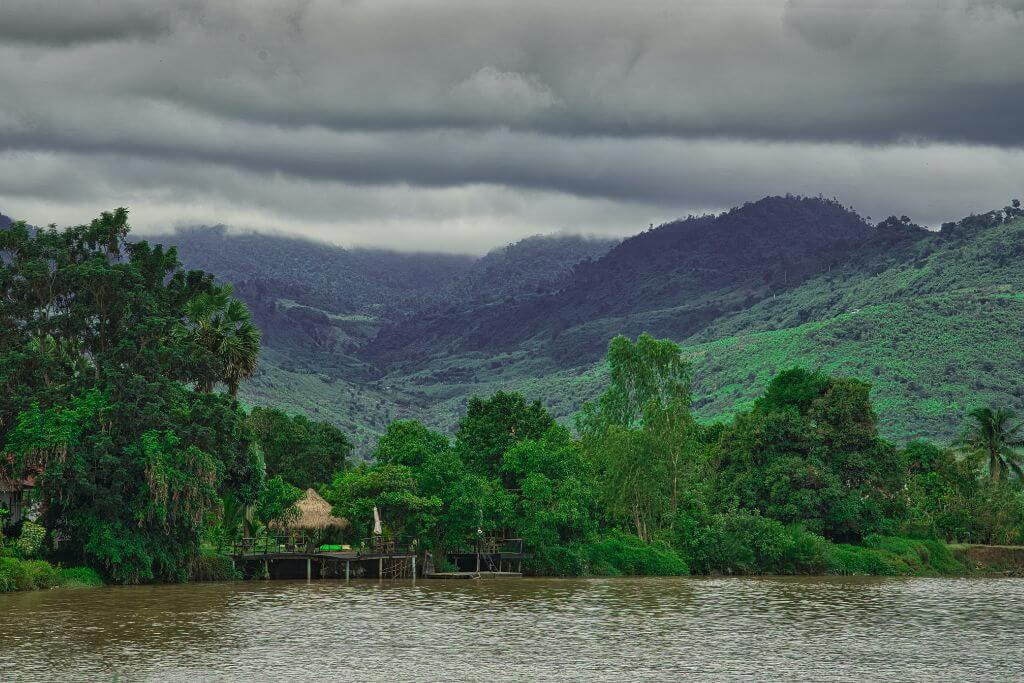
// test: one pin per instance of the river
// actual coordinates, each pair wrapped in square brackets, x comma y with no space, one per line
[531,629]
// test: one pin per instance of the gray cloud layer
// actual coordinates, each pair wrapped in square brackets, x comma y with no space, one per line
[460,125]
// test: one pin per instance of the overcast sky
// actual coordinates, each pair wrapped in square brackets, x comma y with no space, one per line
[459,126]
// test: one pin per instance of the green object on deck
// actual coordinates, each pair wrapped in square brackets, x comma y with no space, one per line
[330,548]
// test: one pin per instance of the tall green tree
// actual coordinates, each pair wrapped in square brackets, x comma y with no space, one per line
[809,453]
[305,453]
[643,376]
[555,502]
[131,462]
[640,435]
[493,425]
[220,326]
[998,436]
[406,514]
[472,501]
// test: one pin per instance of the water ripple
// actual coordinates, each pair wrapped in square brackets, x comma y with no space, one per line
[797,629]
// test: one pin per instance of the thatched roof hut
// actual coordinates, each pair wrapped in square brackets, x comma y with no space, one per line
[313,514]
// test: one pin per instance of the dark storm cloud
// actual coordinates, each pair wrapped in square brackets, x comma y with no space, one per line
[481,114]
[88,21]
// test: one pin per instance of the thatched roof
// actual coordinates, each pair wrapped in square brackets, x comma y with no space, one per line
[314,513]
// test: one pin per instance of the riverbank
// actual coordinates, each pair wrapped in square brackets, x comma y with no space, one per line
[1004,560]
[17,574]
[886,556]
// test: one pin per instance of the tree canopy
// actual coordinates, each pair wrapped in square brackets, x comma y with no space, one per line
[100,397]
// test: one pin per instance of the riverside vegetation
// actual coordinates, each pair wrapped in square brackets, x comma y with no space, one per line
[122,371]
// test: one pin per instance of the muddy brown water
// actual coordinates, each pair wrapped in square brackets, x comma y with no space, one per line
[624,629]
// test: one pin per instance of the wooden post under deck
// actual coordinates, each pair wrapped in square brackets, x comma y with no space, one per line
[380,567]
[413,567]
[309,569]
[347,563]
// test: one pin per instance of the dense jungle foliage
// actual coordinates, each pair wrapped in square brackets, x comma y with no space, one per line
[122,369]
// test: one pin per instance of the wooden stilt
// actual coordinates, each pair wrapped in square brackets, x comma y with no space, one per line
[380,567]
[347,567]
[309,569]
[413,567]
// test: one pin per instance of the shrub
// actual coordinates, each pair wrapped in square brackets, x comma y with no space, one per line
[844,559]
[927,556]
[746,543]
[212,567]
[558,560]
[13,576]
[892,556]
[75,577]
[26,575]
[30,540]
[620,553]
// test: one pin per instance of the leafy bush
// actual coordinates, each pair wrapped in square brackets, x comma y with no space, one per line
[30,540]
[26,575]
[745,543]
[558,560]
[620,553]
[73,577]
[892,556]
[212,567]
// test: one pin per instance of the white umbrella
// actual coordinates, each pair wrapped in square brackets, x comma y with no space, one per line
[377,528]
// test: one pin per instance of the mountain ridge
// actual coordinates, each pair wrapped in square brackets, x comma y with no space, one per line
[787,281]
[926,316]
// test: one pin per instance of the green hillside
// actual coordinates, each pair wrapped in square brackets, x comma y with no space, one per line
[933,319]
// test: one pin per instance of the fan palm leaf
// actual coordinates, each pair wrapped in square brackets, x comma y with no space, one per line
[995,434]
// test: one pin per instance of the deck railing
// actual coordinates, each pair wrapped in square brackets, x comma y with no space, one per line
[272,544]
[264,545]
[494,545]
[386,546]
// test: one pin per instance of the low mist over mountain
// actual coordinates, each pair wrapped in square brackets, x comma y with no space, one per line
[363,337]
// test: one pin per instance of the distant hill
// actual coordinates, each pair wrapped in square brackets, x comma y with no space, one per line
[669,281]
[328,277]
[933,319]
[320,306]
[532,266]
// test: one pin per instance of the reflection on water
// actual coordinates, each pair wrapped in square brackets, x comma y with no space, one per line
[532,629]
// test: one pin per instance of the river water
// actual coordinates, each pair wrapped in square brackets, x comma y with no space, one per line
[527,630]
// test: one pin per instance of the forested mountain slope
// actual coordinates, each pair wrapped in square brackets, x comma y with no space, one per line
[669,281]
[317,274]
[933,319]
[319,306]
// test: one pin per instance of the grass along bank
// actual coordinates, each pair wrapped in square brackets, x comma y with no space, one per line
[17,574]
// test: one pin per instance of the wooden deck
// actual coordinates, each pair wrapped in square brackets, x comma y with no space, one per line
[282,558]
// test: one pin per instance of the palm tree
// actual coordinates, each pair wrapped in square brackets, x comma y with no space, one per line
[240,345]
[996,435]
[220,325]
